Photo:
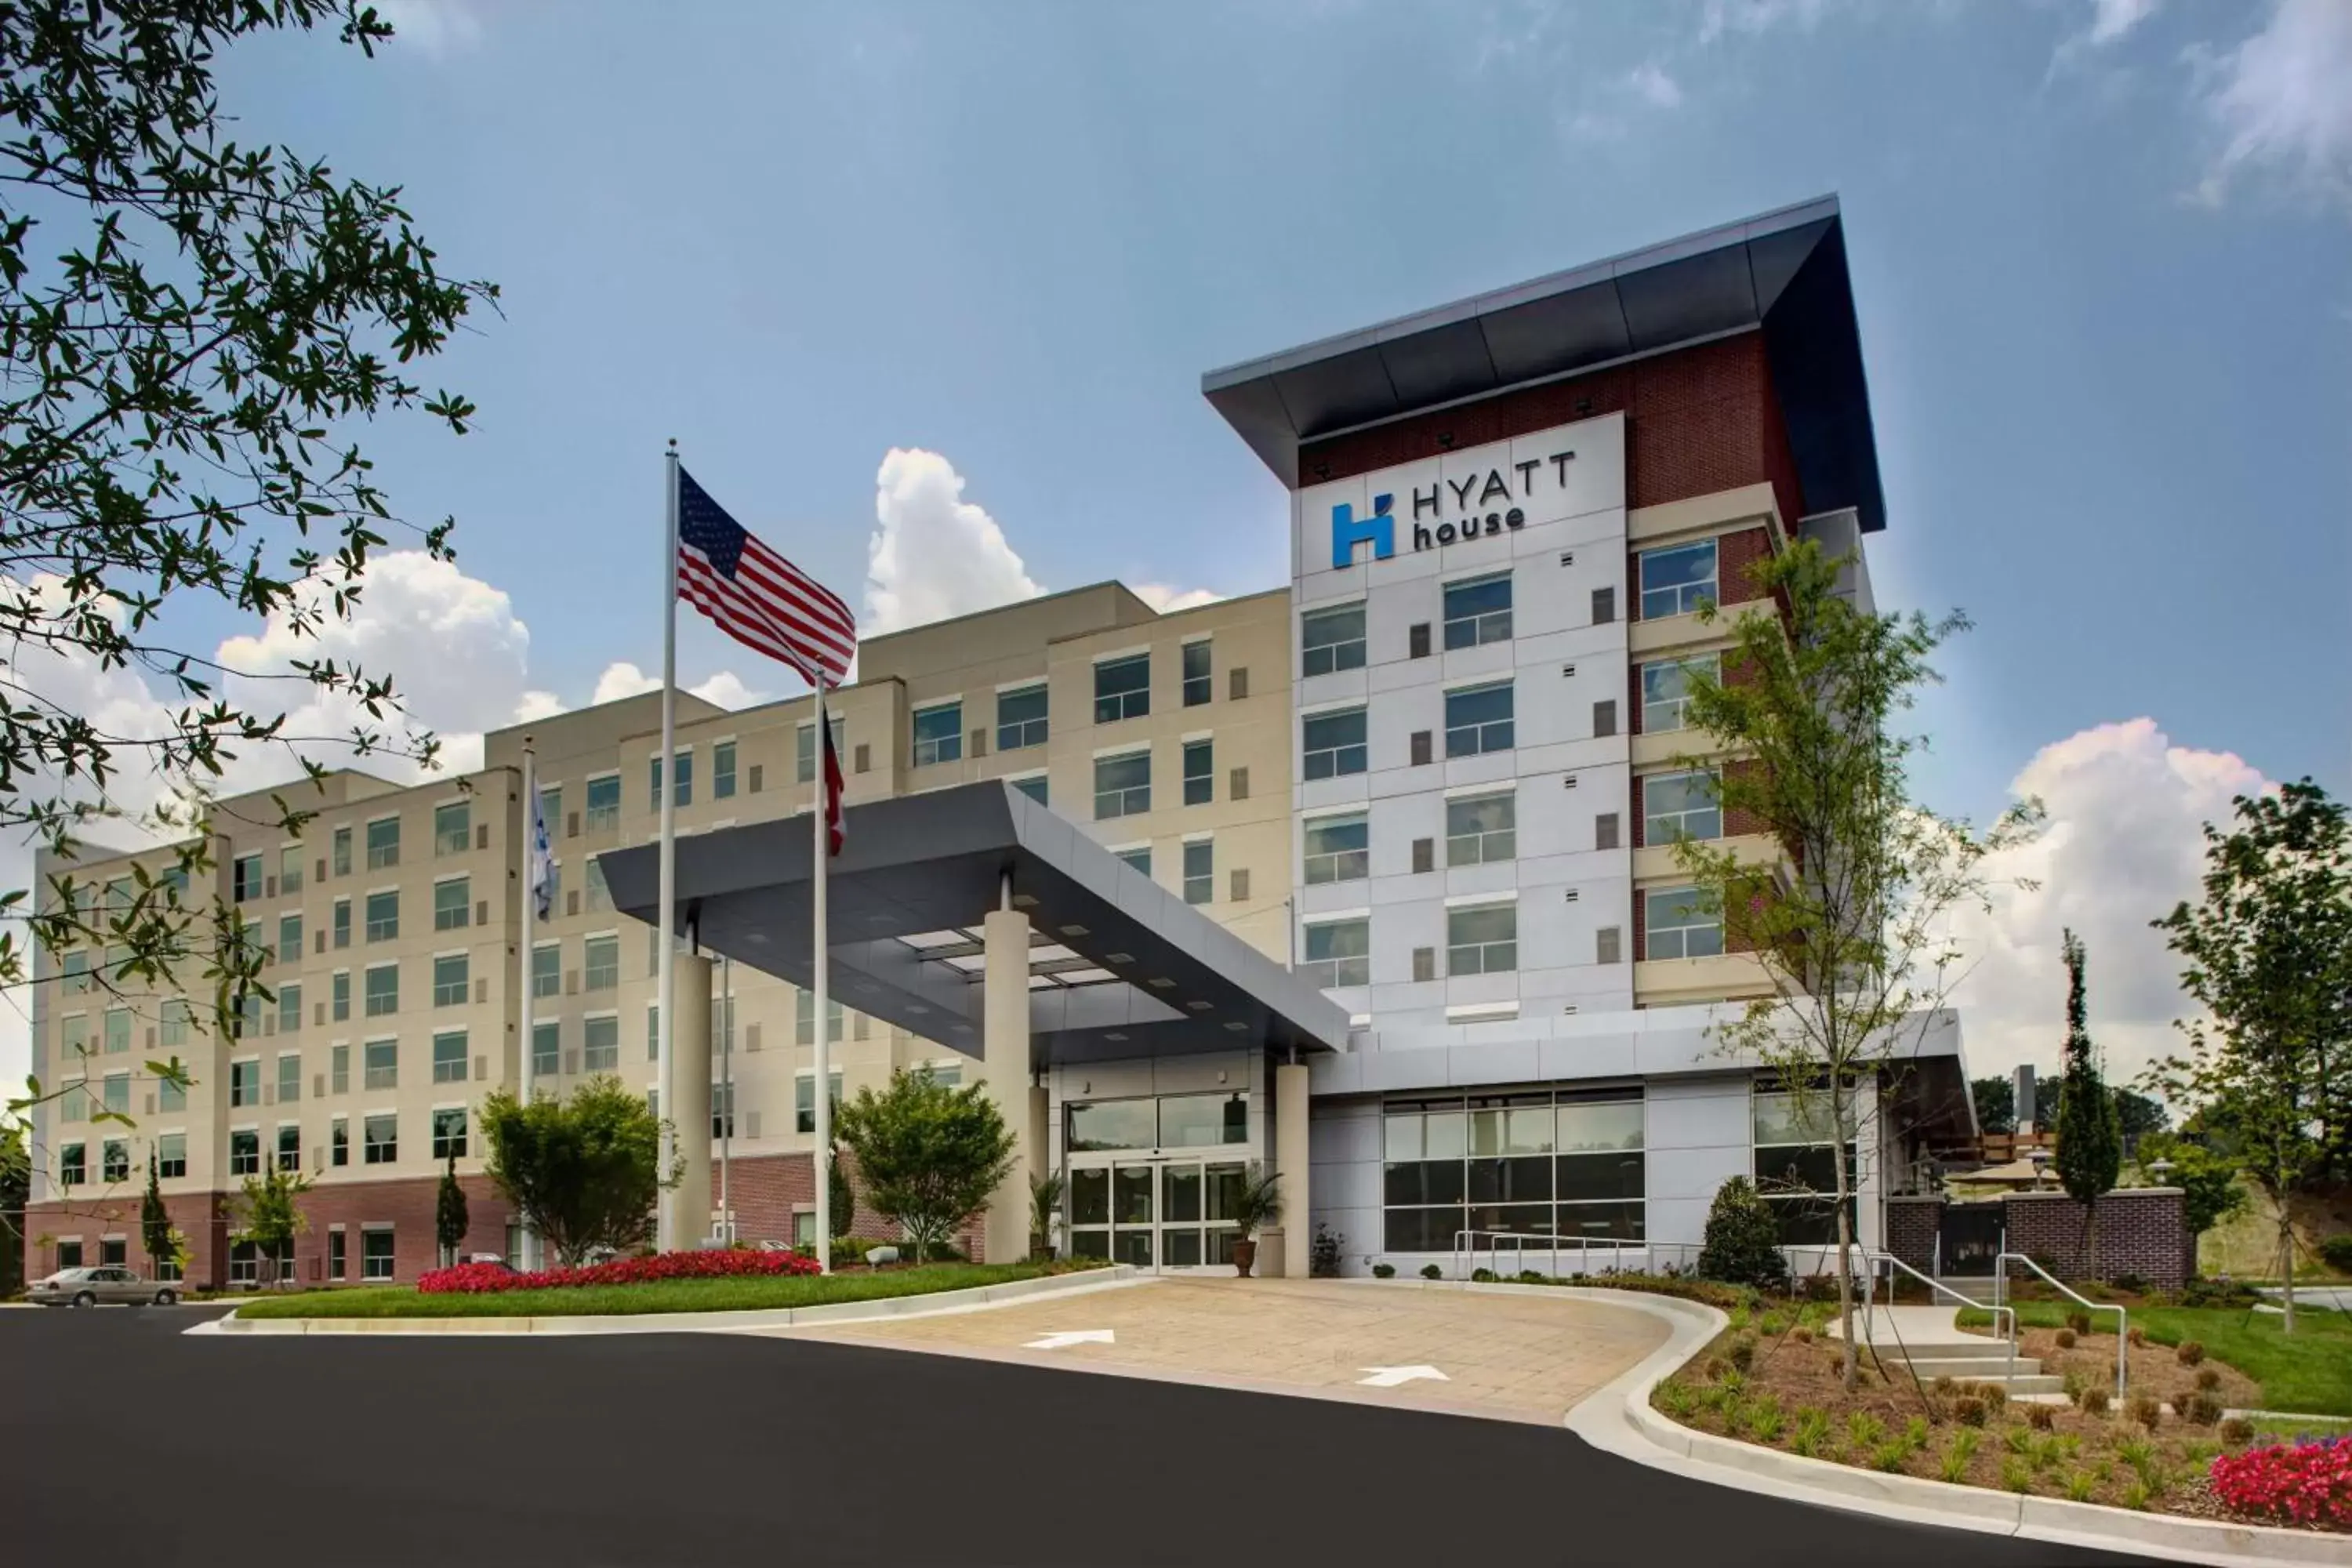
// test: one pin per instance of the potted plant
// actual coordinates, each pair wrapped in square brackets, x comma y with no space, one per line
[1257,1202]
[1044,1197]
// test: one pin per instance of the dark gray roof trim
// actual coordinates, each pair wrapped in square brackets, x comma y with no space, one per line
[933,862]
[1784,271]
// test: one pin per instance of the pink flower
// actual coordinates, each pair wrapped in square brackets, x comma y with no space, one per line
[488,1279]
[2307,1483]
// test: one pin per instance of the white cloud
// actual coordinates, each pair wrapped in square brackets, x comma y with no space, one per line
[432,28]
[934,554]
[1753,16]
[1652,86]
[1168,600]
[2280,101]
[2124,843]
[2111,19]
[620,678]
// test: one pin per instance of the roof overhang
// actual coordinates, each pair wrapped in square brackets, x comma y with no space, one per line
[1119,967]
[1783,272]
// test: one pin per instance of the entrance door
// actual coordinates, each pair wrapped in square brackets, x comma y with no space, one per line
[1158,1213]
[1970,1237]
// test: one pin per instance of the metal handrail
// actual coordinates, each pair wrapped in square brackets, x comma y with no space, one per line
[1873,1259]
[1467,1248]
[2123,1319]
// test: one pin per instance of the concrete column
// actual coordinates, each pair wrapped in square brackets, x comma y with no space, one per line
[1290,1158]
[1004,1046]
[690,1086]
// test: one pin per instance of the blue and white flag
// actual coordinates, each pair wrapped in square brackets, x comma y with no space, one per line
[541,878]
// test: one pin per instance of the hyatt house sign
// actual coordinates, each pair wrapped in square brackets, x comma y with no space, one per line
[1450,509]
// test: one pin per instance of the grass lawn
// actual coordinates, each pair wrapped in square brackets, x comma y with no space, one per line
[2311,1373]
[660,1296]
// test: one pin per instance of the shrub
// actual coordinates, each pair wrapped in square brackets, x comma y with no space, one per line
[2305,1483]
[2188,1352]
[2129,1283]
[1733,1381]
[1864,1431]
[1676,1399]
[2081,1485]
[1742,1244]
[1432,1271]
[2016,1476]
[2041,1417]
[2209,1378]
[2079,1322]
[1963,1451]
[1970,1411]
[1765,1420]
[1384,1270]
[1741,1352]
[2337,1253]
[1772,1323]
[1530,1277]
[490,1279]
[2217,1293]
[2066,1339]
[2198,1409]
[1811,1434]
[2016,1439]
[2139,1336]
[2143,1409]
[931,1156]
[1944,1385]
[2237,1432]
[2093,1400]
[1994,1394]
[1889,1456]
[1802,1335]
[1482,1276]
[1914,1433]
[2135,1495]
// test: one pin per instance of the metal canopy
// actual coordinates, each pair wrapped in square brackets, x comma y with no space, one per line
[1119,967]
[1784,271]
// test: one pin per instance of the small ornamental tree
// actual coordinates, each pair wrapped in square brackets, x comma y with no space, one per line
[2090,1133]
[931,1156]
[839,1197]
[268,1215]
[1743,1238]
[450,1220]
[582,1172]
[156,1232]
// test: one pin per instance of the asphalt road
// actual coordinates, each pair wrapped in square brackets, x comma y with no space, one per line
[125,1440]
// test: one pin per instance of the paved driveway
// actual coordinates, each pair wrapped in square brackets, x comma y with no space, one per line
[1526,1358]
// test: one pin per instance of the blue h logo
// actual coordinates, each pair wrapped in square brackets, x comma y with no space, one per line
[1347,532]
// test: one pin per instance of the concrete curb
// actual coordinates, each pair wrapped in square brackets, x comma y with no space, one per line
[971,1298]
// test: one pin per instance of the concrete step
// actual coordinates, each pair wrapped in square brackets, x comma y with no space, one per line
[1965,1369]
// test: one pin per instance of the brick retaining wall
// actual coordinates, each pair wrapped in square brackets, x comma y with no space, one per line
[2141,1231]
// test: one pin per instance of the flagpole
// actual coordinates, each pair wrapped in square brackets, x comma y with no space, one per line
[725,1088]
[530,1242]
[666,1236]
[822,851]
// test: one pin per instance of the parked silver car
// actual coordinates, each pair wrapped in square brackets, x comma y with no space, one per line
[89,1286]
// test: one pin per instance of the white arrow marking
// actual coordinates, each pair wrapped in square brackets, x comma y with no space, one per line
[1390,1376]
[1082,1337]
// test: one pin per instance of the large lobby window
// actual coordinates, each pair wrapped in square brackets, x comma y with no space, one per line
[938,734]
[1478,610]
[1796,1165]
[1333,744]
[1478,719]
[1676,580]
[1169,1122]
[1339,849]
[1338,952]
[1565,1164]
[1331,640]
[1122,689]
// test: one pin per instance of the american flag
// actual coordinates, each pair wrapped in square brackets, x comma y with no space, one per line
[757,598]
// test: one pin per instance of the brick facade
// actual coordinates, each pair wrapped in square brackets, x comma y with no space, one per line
[1911,1226]
[2143,1232]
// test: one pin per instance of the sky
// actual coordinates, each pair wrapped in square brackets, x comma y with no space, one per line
[925,292]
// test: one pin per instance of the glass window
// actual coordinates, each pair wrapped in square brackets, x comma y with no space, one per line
[338,1070]
[1122,689]
[450,1132]
[1122,785]
[245,1152]
[1111,1124]
[337,1257]
[380,1140]
[722,770]
[1196,673]
[449,1056]
[1333,744]
[600,893]
[289,1077]
[1202,1121]
[290,1146]
[1137,859]
[1482,827]
[384,915]
[1035,788]
[118,1029]
[1675,582]
[289,1007]
[600,970]
[244,1083]
[375,1255]
[290,939]
[1200,772]
[73,1034]
[1200,871]
[114,1093]
[1665,691]
[722,1110]
[1482,940]
[451,901]
[384,990]
[382,1061]
[804,749]
[1338,953]
[244,1018]
[77,974]
[72,1164]
[175,1018]
[804,1014]
[341,922]
[604,803]
[939,733]
[383,843]
[547,970]
[341,988]
[451,980]
[289,868]
[1331,639]
[1680,805]
[1478,610]
[1339,849]
[453,827]
[1021,718]
[340,859]
[245,878]
[805,1099]
[171,1156]
[339,1142]
[600,1044]
[1677,923]
[546,1048]
[652,1031]
[681,769]
[1478,720]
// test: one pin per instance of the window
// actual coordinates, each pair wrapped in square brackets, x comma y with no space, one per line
[114,1250]
[449,1056]
[1200,871]
[1677,581]
[1797,1153]
[1122,689]
[1677,923]
[805,1099]
[1665,691]
[114,1160]
[601,968]
[384,990]
[947,1074]
[170,1093]
[1200,772]
[1482,938]
[289,1008]
[1137,859]
[451,980]
[290,939]
[339,1142]
[380,1061]
[722,1110]
[117,1030]
[1478,610]
[453,827]
[939,733]
[600,1042]
[72,1169]
[245,1152]
[244,1018]
[341,922]
[336,1256]
[1480,828]
[384,915]
[450,902]
[1334,744]
[1565,1165]
[245,878]
[450,1132]
[804,749]
[77,974]
[70,1253]
[244,1083]
[652,1031]
[380,1140]
[547,970]
[289,1077]
[1339,849]
[375,1254]
[600,894]
[1338,953]
[1680,805]
[1197,683]
[174,1017]
[804,1016]
[170,1155]
[290,1146]
[1122,785]
[1331,640]
[603,803]
[382,843]
[1035,788]
[114,1093]
[551,810]
[340,861]
[289,868]
[338,1070]
[722,770]
[1021,718]
[681,769]
[1478,720]
[341,989]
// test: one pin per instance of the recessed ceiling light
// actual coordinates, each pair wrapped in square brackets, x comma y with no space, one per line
[1161,983]
[1235,1024]
[1198,1006]
[1025,900]
[1118,958]
[1119,1038]
[917,1009]
[1075,930]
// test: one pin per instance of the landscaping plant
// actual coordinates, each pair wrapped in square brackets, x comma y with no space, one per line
[581,1171]
[2090,1135]
[1742,1244]
[2302,1483]
[489,1279]
[931,1156]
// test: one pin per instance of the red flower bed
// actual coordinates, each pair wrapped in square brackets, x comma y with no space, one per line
[488,1279]
[2308,1483]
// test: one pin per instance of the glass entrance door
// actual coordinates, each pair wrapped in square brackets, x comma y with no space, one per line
[1133,1229]
[1155,1214]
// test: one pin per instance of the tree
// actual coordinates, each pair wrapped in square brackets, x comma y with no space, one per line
[1849,922]
[931,1156]
[2136,1114]
[155,1230]
[270,1217]
[841,1199]
[2268,956]
[2090,1134]
[190,329]
[1742,1244]
[16,1190]
[2208,1182]
[1996,1101]
[582,1172]
[450,1220]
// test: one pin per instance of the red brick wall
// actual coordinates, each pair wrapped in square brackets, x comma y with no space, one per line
[1911,1227]
[1735,554]
[195,1215]
[2143,1233]
[764,1190]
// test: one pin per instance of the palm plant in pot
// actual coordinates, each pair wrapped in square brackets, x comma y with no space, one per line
[1257,1202]
[1044,1197]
